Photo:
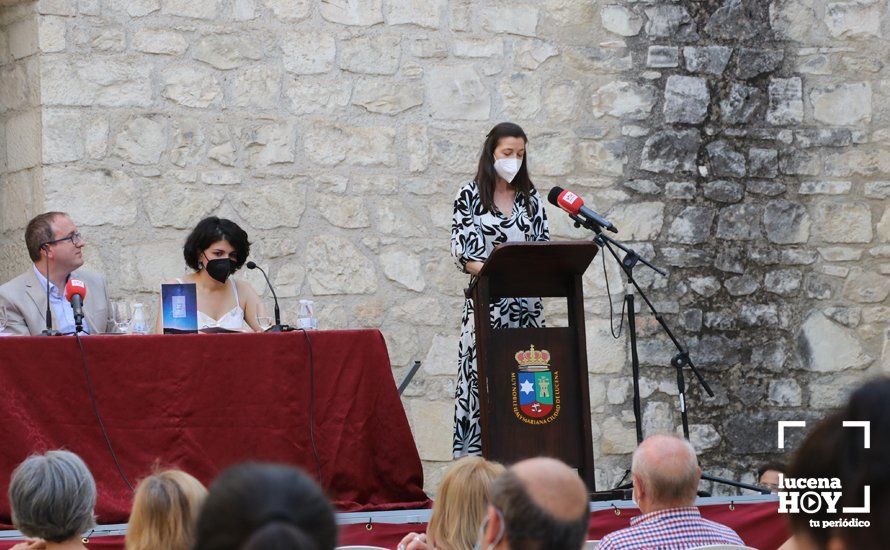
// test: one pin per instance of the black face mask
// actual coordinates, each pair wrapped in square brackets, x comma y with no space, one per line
[220,268]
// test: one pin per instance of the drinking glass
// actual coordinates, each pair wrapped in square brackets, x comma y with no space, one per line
[2,318]
[264,315]
[120,310]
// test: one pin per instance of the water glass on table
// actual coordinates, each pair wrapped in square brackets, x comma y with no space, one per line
[121,314]
[264,317]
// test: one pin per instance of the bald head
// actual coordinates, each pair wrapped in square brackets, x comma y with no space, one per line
[553,486]
[544,505]
[667,469]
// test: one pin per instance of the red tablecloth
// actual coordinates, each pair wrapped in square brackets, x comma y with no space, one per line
[204,402]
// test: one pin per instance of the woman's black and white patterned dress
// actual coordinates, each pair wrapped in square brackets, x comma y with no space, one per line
[474,234]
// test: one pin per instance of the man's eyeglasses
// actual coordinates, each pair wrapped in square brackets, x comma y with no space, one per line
[75,238]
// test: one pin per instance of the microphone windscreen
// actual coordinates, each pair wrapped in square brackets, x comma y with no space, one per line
[250,265]
[75,286]
[553,195]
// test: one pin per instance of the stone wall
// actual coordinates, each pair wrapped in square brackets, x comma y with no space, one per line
[337,133]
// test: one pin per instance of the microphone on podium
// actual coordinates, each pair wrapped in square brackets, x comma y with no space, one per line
[574,205]
[76,292]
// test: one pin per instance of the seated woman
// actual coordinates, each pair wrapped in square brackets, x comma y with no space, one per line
[459,508]
[165,511]
[52,497]
[215,250]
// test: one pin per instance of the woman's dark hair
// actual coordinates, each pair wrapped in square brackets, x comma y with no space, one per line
[266,506]
[485,173]
[212,229]
[832,450]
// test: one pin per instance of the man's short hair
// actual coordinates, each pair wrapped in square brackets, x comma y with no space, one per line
[528,526]
[669,487]
[774,465]
[39,232]
[52,496]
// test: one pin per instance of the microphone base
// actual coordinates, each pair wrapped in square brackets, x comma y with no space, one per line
[50,332]
[280,328]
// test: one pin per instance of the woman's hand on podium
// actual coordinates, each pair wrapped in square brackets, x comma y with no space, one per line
[415,541]
[473,268]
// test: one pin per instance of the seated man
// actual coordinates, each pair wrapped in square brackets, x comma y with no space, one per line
[55,247]
[665,477]
[539,504]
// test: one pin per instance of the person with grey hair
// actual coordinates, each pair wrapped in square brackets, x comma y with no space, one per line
[665,483]
[52,497]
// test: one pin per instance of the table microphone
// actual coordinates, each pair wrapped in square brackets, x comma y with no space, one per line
[574,205]
[76,292]
[277,327]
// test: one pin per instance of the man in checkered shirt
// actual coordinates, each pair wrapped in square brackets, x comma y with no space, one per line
[665,477]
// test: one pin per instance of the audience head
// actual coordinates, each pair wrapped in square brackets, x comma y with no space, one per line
[53,236]
[665,473]
[464,496]
[768,474]
[165,511]
[537,504]
[268,506]
[831,450]
[216,238]
[53,496]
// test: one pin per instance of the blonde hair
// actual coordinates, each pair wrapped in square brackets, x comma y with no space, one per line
[165,511]
[461,504]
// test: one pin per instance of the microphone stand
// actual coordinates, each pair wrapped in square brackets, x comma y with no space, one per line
[277,327]
[49,330]
[680,360]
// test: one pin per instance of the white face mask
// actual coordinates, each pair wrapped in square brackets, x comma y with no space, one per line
[507,168]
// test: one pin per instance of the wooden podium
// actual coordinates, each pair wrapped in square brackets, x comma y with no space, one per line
[533,383]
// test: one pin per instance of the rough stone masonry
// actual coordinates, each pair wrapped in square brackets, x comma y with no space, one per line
[743,145]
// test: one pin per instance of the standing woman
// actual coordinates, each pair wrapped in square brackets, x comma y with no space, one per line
[499,205]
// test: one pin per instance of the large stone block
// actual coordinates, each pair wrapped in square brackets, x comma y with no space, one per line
[387,96]
[531,54]
[160,41]
[290,10]
[669,151]
[521,19]
[134,8]
[14,90]
[289,280]
[521,95]
[617,437]
[346,212]
[561,100]
[858,19]
[604,157]
[786,222]
[227,51]
[457,92]
[104,82]
[686,99]
[308,95]
[620,20]
[640,221]
[91,197]
[785,101]
[197,9]
[61,134]
[411,12]
[19,202]
[427,420]
[336,266]
[826,346]
[763,163]
[258,87]
[51,33]
[866,286]
[554,154]
[271,205]
[741,104]
[754,62]
[624,99]
[663,57]
[692,226]
[736,20]
[670,21]
[739,222]
[309,52]
[361,13]
[191,86]
[374,54]
[177,205]
[843,222]
[845,104]
[331,144]
[23,140]
[403,268]
[724,160]
[23,38]
[142,140]
[706,59]
[271,144]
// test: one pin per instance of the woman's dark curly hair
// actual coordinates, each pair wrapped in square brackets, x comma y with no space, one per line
[212,229]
